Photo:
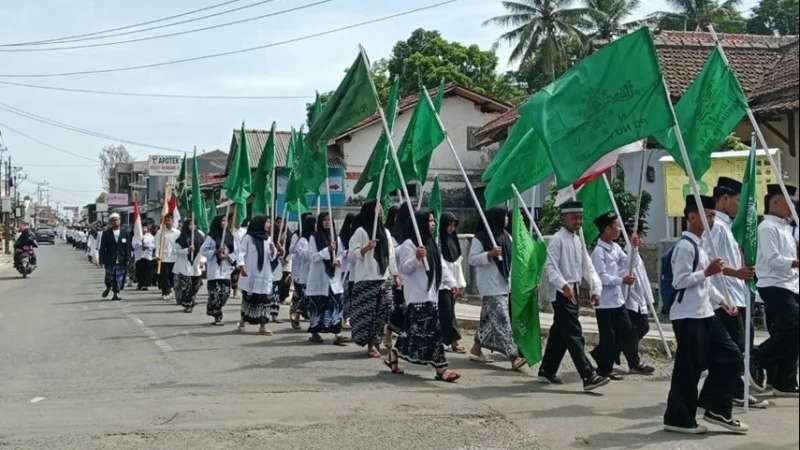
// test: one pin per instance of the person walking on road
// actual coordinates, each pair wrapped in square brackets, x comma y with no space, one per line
[167,252]
[114,255]
[221,254]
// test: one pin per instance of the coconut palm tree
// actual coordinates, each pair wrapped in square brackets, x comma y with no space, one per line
[539,30]
[696,15]
[607,21]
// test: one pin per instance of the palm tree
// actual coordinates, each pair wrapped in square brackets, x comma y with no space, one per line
[540,30]
[696,15]
[606,22]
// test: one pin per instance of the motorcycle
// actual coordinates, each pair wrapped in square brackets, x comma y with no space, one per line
[24,264]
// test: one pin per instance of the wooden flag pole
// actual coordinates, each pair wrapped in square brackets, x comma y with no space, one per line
[227,214]
[282,233]
[757,129]
[378,197]
[164,208]
[330,209]
[463,172]
[393,152]
[634,254]
[533,226]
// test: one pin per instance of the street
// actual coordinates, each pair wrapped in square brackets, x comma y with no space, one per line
[80,372]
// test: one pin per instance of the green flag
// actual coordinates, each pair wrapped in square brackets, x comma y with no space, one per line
[612,98]
[379,155]
[238,184]
[291,154]
[707,112]
[353,101]
[528,257]
[435,204]
[181,192]
[212,210]
[596,201]
[745,225]
[316,110]
[526,166]
[518,132]
[198,202]
[262,184]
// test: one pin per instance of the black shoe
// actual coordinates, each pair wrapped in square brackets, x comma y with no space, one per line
[793,392]
[758,377]
[106,292]
[727,423]
[643,369]
[116,297]
[549,379]
[594,381]
[752,403]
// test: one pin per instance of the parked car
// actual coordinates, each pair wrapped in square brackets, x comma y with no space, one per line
[45,235]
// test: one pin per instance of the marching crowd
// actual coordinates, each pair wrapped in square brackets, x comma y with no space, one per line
[375,277]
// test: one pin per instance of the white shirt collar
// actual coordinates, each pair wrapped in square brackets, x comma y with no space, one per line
[693,237]
[776,219]
[724,217]
[605,245]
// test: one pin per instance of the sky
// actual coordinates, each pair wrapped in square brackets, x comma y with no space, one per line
[295,69]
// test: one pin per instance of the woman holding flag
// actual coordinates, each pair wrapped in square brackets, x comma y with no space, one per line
[256,255]
[219,249]
[188,274]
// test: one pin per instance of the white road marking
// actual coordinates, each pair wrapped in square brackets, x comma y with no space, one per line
[36,399]
[163,346]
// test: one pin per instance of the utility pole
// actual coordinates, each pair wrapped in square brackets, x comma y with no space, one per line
[5,190]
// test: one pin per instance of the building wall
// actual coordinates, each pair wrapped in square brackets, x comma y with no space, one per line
[790,163]
[458,114]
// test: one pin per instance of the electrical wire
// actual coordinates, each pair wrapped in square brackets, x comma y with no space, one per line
[233,52]
[55,123]
[126,27]
[2,125]
[170,96]
[177,33]
[56,165]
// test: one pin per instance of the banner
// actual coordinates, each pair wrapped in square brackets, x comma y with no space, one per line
[117,199]
[163,166]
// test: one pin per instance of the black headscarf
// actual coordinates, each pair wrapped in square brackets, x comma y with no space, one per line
[401,222]
[215,233]
[391,216]
[451,248]
[255,229]
[185,239]
[322,238]
[347,229]
[309,227]
[366,220]
[276,230]
[497,219]
[434,258]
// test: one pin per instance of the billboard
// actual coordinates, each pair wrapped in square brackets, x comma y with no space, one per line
[163,166]
[117,199]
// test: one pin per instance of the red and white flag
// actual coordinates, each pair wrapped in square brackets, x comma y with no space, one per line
[138,235]
[598,169]
[173,209]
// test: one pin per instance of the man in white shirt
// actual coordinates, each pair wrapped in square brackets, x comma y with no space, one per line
[613,323]
[726,198]
[567,264]
[777,271]
[167,252]
[640,296]
[143,254]
[703,342]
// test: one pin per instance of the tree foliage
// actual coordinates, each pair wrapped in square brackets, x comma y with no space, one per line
[109,156]
[606,19]
[732,142]
[775,16]
[697,15]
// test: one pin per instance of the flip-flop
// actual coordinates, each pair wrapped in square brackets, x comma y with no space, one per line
[266,333]
[459,349]
[518,364]
[483,359]
[394,367]
[374,353]
[341,341]
[448,376]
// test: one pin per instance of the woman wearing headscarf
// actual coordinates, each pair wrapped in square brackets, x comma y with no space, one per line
[493,267]
[188,274]
[421,339]
[373,275]
[284,282]
[220,254]
[300,267]
[324,285]
[451,254]
[398,314]
[345,235]
[257,252]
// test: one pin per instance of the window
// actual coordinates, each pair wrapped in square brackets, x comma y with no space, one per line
[472,142]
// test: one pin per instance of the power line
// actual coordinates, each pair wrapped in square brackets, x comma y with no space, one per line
[233,52]
[178,33]
[47,145]
[55,165]
[55,123]
[150,22]
[171,96]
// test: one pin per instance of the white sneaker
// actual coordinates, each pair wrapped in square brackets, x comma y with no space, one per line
[697,429]
[752,403]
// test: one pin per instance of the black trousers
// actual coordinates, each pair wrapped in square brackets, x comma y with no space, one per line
[166,278]
[781,349]
[154,281]
[735,327]
[447,317]
[284,285]
[640,323]
[616,332]
[703,344]
[142,273]
[565,335]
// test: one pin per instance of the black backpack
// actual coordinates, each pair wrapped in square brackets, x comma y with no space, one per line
[668,293]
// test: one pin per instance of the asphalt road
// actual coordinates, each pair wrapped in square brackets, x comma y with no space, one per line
[79,372]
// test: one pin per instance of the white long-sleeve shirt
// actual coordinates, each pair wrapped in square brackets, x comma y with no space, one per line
[415,278]
[185,267]
[256,281]
[727,249]
[216,270]
[489,280]
[700,296]
[318,281]
[300,264]
[365,268]
[641,293]
[568,262]
[169,254]
[144,248]
[610,262]
[457,272]
[777,250]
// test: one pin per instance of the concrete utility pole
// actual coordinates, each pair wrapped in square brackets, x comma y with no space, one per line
[5,190]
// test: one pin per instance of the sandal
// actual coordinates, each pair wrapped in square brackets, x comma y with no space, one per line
[275,319]
[387,339]
[374,353]
[240,327]
[341,341]
[218,323]
[266,333]
[448,376]
[518,363]
[481,359]
[458,349]
[316,339]
[394,366]
[295,323]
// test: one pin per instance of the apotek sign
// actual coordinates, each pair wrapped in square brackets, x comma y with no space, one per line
[164,166]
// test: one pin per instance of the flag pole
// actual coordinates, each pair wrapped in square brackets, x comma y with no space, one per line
[282,233]
[273,188]
[378,196]
[421,194]
[534,227]
[461,168]
[393,151]
[227,214]
[534,191]
[748,319]
[328,200]
[161,243]
[757,129]
[634,250]
[634,257]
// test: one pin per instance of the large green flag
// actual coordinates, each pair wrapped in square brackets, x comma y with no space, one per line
[517,134]
[528,257]
[316,110]
[198,202]
[181,191]
[380,155]
[745,225]
[238,184]
[291,155]
[313,166]
[353,101]
[435,205]
[262,184]
[526,166]
[212,210]
[707,112]
[612,98]
[596,200]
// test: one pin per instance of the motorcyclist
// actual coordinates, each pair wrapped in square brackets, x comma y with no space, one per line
[25,239]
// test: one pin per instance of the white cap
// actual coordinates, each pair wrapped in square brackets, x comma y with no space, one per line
[113,216]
